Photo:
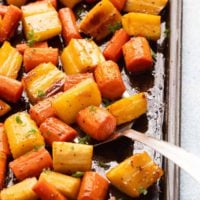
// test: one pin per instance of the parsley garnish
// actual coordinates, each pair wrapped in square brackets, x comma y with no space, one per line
[103,165]
[106,102]
[31,37]
[37,147]
[40,93]
[84,140]
[166,33]
[32,131]
[79,12]
[92,109]
[78,174]
[18,119]
[113,27]
[154,55]
[143,191]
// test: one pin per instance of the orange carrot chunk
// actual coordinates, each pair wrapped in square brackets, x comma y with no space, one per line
[31,164]
[4,108]
[3,10]
[96,122]
[23,46]
[3,161]
[93,187]
[4,147]
[109,80]
[10,89]
[137,55]
[68,21]
[47,191]
[74,79]
[113,50]
[53,129]
[9,22]
[119,4]
[35,56]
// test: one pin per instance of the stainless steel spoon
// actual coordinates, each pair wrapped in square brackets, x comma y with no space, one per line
[185,160]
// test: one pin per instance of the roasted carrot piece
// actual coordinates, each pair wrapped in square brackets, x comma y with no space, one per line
[35,56]
[68,21]
[113,50]
[31,164]
[93,187]
[9,22]
[3,162]
[109,80]
[47,191]
[4,147]
[23,46]
[3,10]
[4,108]
[119,4]
[137,55]
[10,89]
[96,122]
[53,129]
[72,80]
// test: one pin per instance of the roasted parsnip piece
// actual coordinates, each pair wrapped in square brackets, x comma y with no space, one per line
[60,181]
[40,21]
[101,19]
[23,134]
[135,174]
[81,55]
[127,109]
[10,61]
[140,24]
[71,157]
[20,191]
[43,81]
[145,6]
[68,104]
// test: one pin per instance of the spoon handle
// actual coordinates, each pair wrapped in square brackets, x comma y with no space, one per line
[185,160]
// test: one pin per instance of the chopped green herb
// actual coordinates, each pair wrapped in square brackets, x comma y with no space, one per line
[103,165]
[79,12]
[92,109]
[106,102]
[113,27]
[166,33]
[78,174]
[32,131]
[31,37]
[143,191]
[84,140]
[40,93]
[154,55]
[18,119]
[37,147]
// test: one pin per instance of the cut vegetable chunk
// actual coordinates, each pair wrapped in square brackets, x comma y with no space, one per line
[100,20]
[40,85]
[81,55]
[3,10]
[17,3]
[10,89]
[145,6]
[3,162]
[20,191]
[46,191]
[137,55]
[135,174]
[113,50]
[72,80]
[68,104]
[128,109]
[109,80]
[23,134]
[35,56]
[31,164]
[53,130]
[96,122]
[68,21]
[139,24]
[70,3]
[93,187]
[36,18]
[60,181]
[4,108]
[70,157]
[9,22]
[10,61]
[4,147]
[119,4]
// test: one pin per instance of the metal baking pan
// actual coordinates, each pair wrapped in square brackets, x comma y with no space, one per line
[162,86]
